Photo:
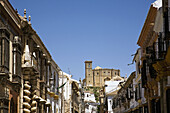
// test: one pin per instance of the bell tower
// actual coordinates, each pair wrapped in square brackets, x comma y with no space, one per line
[88,73]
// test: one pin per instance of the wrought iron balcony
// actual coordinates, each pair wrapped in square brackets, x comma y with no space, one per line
[157,51]
[160,50]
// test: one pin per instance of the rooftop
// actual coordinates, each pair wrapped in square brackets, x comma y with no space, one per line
[98,67]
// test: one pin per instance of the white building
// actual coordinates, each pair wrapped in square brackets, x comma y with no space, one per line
[90,102]
[111,88]
[139,99]
[65,92]
[52,85]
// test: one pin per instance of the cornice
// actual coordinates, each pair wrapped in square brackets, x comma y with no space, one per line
[10,10]
[149,22]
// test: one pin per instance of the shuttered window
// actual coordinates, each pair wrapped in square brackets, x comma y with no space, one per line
[16,59]
[144,77]
[4,51]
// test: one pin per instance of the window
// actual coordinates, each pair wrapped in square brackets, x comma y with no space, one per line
[4,51]
[139,68]
[139,92]
[16,57]
[136,94]
[43,69]
[89,65]
[143,74]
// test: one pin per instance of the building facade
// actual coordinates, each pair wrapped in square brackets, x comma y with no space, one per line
[70,100]
[96,77]
[28,74]
[122,102]
[10,53]
[75,97]
[139,102]
[155,59]
[90,102]
[65,89]
[150,85]
[110,91]
[52,84]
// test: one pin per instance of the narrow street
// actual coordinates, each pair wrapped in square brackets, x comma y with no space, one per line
[35,78]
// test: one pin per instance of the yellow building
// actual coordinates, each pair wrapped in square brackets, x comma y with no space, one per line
[148,39]
[155,59]
[96,77]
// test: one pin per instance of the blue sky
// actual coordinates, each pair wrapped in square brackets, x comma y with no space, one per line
[104,31]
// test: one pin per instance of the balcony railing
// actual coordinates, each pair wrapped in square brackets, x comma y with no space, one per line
[158,50]
[155,53]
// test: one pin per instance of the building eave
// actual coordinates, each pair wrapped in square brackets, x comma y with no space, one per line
[149,22]
[13,21]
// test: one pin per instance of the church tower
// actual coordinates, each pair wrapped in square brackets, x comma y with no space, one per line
[88,73]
